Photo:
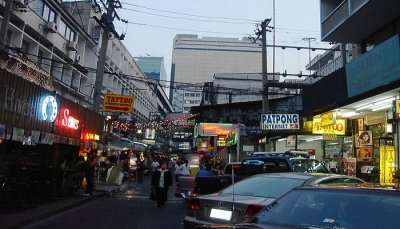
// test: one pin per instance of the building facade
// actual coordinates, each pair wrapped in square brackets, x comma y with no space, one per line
[355,102]
[128,79]
[247,87]
[196,59]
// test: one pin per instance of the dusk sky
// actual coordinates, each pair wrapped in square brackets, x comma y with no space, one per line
[295,20]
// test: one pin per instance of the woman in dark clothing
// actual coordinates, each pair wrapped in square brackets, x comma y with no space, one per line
[160,182]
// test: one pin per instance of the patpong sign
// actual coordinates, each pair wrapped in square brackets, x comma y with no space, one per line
[118,103]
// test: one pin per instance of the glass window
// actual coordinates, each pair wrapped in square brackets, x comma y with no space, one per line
[52,16]
[67,33]
[46,12]
[38,7]
[264,186]
[72,36]
[334,209]
[62,27]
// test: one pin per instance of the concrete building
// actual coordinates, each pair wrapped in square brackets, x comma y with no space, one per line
[196,59]
[247,87]
[44,34]
[361,85]
[129,78]
[62,40]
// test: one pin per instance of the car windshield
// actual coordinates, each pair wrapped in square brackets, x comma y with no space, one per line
[334,209]
[263,186]
[307,165]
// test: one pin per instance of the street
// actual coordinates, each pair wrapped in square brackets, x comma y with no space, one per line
[129,209]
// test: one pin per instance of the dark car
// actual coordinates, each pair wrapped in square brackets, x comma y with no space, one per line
[332,207]
[251,195]
[189,185]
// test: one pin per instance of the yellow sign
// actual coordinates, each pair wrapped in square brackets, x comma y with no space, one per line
[308,126]
[398,106]
[330,137]
[339,128]
[328,119]
[118,103]
[387,165]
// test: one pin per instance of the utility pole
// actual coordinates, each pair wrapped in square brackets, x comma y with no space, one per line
[262,32]
[273,38]
[4,24]
[309,39]
[108,27]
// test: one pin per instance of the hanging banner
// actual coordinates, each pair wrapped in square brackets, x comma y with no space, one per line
[387,165]
[118,103]
[280,122]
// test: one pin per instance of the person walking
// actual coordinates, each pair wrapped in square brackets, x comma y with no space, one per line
[161,181]
[206,171]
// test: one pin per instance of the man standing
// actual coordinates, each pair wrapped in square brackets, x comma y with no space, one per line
[161,181]
[89,173]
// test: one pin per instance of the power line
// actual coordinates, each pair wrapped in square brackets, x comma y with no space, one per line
[186,18]
[190,15]
[184,29]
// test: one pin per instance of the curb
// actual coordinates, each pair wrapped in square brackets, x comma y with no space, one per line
[46,215]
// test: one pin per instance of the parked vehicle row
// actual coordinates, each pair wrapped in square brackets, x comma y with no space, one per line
[258,163]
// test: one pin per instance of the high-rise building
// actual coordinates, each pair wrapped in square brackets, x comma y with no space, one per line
[153,67]
[196,59]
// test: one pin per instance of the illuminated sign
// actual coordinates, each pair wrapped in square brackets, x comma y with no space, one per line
[49,108]
[90,137]
[118,103]
[69,121]
[215,129]
[387,165]
[339,128]
[280,122]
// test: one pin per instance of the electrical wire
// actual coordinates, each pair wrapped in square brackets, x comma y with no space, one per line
[190,15]
[185,29]
[186,18]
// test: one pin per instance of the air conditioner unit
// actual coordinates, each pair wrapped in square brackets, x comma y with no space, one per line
[77,59]
[50,27]
[72,55]
[21,4]
[72,45]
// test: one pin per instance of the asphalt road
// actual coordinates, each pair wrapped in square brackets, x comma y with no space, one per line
[131,209]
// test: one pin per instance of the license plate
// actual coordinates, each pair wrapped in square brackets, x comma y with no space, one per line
[221,214]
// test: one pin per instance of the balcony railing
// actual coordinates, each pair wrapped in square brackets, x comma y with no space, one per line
[331,67]
[340,14]
[336,17]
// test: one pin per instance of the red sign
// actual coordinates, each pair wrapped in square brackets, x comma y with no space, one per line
[68,121]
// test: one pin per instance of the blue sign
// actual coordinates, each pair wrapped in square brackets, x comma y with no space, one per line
[49,109]
[280,121]
[378,67]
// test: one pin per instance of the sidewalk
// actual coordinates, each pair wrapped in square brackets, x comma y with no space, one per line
[28,216]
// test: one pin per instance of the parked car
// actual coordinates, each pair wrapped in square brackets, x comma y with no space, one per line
[332,207]
[188,185]
[301,164]
[241,202]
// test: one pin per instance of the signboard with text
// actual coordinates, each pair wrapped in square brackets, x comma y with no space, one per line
[339,128]
[280,122]
[118,103]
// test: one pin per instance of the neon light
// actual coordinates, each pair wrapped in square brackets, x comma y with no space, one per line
[49,108]
[68,120]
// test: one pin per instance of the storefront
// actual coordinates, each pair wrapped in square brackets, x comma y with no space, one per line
[366,97]
[40,136]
